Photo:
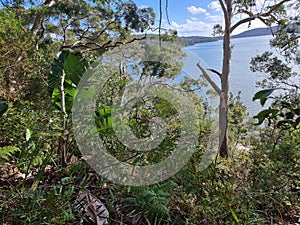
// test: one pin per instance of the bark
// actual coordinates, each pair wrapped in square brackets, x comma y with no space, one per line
[224,96]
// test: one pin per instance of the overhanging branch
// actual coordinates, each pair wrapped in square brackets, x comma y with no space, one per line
[261,16]
[210,81]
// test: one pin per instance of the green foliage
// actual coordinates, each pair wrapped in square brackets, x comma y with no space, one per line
[285,103]
[7,151]
[22,64]
[138,19]
[215,195]
[162,61]
[266,114]
[237,115]
[72,66]
[217,30]
[41,206]
[284,110]
[245,3]
[34,134]
[253,186]
[86,25]
[273,66]
[274,172]
[151,202]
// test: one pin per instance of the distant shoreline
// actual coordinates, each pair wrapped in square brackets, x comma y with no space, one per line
[264,31]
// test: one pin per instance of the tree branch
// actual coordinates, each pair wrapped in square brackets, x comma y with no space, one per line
[286,45]
[216,72]
[39,19]
[210,81]
[258,15]
[93,46]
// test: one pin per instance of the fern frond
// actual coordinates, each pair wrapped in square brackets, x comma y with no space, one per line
[7,151]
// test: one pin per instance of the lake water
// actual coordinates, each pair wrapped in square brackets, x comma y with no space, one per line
[241,78]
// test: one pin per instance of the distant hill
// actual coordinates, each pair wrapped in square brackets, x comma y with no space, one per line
[256,32]
[191,40]
[264,31]
[249,33]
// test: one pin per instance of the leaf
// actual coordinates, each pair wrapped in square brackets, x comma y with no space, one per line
[74,66]
[234,216]
[92,208]
[262,95]
[3,106]
[261,116]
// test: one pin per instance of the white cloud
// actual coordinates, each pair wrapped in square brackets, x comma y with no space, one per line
[215,5]
[192,27]
[216,18]
[196,27]
[196,10]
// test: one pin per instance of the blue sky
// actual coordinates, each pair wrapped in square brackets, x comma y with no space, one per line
[193,17]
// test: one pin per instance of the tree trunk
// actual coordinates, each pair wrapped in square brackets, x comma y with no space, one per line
[62,148]
[224,97]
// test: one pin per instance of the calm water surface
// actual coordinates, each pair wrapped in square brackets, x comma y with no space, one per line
[241,78]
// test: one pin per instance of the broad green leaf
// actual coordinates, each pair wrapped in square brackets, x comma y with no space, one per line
[263,95]
[104,118]
[71,91]
[261,116]
[73,65]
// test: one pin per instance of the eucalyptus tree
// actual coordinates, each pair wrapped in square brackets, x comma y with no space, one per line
[237,13]
[82,24]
